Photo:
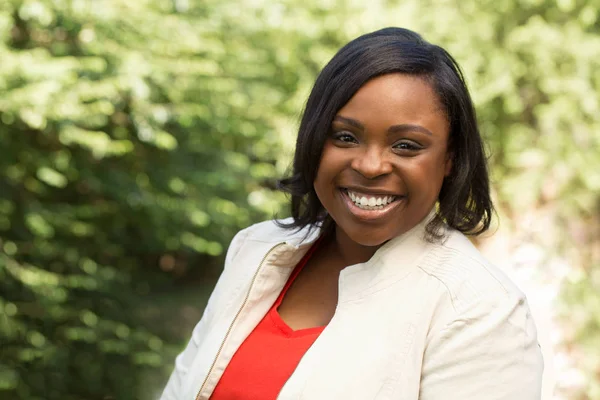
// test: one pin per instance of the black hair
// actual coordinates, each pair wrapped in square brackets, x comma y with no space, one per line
[464,199]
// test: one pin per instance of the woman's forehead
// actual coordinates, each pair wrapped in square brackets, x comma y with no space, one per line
[394,96]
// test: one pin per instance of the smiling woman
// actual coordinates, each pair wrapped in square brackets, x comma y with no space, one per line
[389,142]
[371,290]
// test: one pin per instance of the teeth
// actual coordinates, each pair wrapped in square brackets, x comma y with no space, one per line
[371,203]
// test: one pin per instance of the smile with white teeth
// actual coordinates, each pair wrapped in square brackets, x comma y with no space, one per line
[368,202]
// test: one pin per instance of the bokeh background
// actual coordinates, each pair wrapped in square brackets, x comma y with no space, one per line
[136,137]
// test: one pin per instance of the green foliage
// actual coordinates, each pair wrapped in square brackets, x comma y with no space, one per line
[137,137]
[131,140]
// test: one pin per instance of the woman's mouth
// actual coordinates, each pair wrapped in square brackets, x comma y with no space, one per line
[366,206]
[369,202]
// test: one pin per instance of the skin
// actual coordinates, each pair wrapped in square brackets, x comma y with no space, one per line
[390,139]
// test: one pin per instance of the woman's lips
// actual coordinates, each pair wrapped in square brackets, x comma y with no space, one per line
[368,201]
[368,212]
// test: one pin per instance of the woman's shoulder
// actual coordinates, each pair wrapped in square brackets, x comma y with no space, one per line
[479,320]
[467,277]
[253,242]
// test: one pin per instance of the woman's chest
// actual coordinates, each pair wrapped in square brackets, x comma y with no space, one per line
[368,351]
[371,349]
[311,298]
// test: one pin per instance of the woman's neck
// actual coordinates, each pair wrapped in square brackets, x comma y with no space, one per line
[348,250]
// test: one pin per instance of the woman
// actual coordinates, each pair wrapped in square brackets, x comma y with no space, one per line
[371,290]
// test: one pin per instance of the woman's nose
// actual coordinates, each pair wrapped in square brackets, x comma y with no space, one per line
[372,163]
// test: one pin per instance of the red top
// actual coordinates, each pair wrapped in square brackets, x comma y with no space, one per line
[269,355]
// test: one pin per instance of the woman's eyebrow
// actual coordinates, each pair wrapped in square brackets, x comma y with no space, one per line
[392,129]
[349,121]
[409,127]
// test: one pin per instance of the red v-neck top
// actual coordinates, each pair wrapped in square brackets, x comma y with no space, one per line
[269,355]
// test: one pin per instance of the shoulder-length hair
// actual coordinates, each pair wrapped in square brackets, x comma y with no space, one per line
[464,201]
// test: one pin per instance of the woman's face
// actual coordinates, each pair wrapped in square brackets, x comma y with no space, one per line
[384,161]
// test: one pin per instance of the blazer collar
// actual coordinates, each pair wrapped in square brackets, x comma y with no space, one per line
[391,262]
[394,260]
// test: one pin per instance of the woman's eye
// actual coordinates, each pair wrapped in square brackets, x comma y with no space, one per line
[407,146]
[344,137]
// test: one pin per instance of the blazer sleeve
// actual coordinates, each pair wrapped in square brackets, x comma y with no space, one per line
[489,351]
[183,362]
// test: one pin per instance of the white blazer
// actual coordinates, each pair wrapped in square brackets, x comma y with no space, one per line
[419,320]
